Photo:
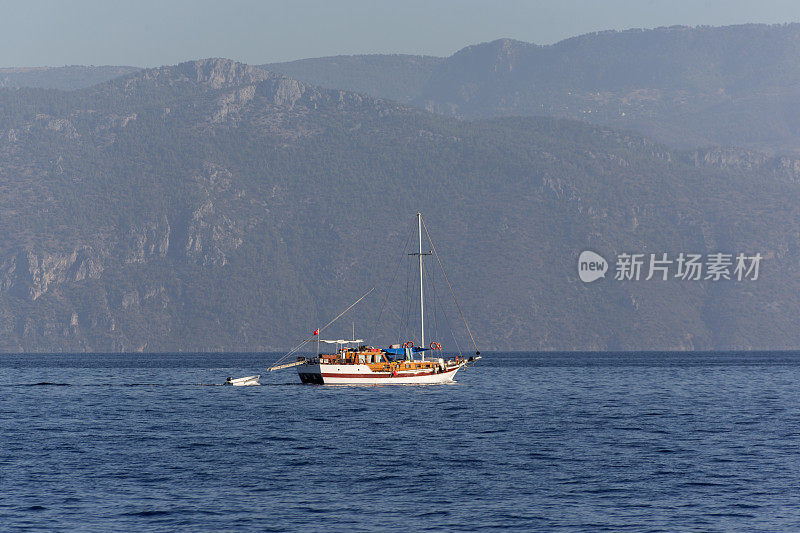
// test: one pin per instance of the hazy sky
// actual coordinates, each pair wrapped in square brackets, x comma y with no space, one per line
[158,32]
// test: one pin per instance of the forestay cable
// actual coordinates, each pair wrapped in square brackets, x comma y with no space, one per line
[450,286]
[293,350]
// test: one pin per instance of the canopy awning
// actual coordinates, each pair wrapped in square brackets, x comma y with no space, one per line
[341,341]
[402,351]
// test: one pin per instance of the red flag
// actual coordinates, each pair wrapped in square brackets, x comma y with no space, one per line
[316,332]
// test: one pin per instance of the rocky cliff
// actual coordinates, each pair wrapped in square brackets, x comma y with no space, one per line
[218,206]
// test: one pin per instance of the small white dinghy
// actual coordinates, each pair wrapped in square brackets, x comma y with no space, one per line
[243,382]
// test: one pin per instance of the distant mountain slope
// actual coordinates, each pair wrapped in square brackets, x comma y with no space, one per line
[218,206]
[65,78]
[396,77]
[686,86]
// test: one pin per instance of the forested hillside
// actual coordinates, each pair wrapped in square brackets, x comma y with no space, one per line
[217,206]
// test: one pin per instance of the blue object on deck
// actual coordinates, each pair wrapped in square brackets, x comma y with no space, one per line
[402,351]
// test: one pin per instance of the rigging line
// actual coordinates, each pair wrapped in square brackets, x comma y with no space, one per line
[411,294]
[429,296]
[432,284]
[293,350]
[400,331]
[290,352]
[346,310]
[412,301]
[444,314]
[449,326]
[396,315]
[447,321]
[448,284]
[406,304]
[452,333]
[436,303]
[406,317]
[394,277]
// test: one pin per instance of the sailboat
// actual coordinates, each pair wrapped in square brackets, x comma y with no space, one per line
[354,363]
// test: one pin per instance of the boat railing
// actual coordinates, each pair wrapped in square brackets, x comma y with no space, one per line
[333,360]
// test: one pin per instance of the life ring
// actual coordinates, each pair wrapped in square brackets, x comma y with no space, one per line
[394,373]
[436,346]
[408,344]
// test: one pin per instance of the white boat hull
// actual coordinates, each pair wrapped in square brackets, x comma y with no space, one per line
[332,374]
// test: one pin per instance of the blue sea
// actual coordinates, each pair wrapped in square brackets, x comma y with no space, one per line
[527,441]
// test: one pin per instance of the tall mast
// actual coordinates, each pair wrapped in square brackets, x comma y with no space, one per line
[421,290]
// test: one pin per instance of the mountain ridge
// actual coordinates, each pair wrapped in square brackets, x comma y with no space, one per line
[686,86]
[215,206]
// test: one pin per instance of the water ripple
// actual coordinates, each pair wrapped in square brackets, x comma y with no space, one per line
[590,442]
